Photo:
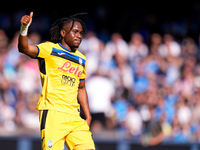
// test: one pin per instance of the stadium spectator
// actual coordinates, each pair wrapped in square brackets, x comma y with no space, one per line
[100,92]
[124,80]
[136,47]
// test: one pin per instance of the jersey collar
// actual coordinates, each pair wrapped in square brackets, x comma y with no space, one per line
[66,48]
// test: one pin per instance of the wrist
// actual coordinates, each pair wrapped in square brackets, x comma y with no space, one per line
[24,30]
[88,118]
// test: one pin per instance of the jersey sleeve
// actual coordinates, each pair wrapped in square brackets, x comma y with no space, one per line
[83,75]
[44,50]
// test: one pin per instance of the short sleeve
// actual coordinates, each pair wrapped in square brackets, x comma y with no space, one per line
[83,75]
[44,49]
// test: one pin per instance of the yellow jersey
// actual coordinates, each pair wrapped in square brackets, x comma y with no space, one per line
[61,71]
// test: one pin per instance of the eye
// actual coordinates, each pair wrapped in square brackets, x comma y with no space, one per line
[75,31]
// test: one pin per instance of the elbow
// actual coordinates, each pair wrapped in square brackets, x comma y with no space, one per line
[20,49]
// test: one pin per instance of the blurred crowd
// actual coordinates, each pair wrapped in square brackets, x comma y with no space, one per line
[19,86]
[135,89]
[142,90]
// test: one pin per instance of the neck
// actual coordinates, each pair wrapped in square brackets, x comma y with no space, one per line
[66,45]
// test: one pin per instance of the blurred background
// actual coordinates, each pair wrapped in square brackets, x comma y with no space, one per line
[143,72]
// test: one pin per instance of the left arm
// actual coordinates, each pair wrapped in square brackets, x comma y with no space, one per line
[156,140]
[83,100]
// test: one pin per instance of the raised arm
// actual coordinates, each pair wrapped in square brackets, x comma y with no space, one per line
[23,46]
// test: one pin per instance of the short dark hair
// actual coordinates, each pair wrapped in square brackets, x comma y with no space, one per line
[58,25]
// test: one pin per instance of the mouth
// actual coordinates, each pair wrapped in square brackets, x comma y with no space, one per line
[77,40]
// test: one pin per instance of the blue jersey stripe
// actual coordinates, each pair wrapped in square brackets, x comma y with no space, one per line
[61,52]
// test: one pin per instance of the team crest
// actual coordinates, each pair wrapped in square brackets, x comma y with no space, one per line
[80,61]
[50,144]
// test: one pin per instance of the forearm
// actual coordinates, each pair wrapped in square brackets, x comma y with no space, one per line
[83,100]
[156,140]
[23,44]
[24,47]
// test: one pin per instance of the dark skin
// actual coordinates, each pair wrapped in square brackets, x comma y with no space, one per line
[69,40]
[72,39]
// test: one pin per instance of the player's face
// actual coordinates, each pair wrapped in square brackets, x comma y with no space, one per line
[74,37]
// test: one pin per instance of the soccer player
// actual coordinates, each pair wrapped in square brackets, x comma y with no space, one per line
[62,70]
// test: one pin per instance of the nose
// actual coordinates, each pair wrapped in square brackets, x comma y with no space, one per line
[79,35]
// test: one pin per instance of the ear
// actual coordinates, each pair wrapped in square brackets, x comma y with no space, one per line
[62,33]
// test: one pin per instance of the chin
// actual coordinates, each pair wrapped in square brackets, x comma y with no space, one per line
[76,45]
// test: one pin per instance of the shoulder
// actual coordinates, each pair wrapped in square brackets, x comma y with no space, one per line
[47,43]
[45,49]
[78,53]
